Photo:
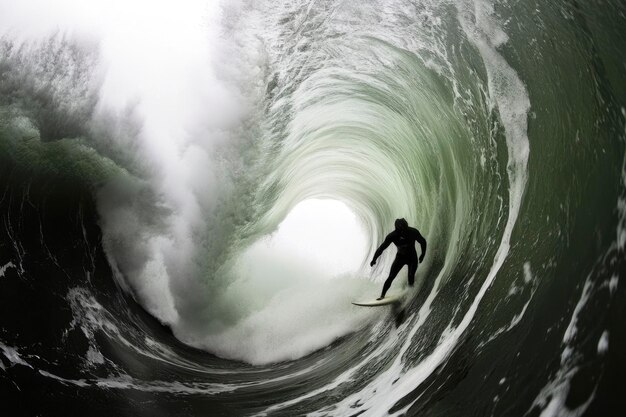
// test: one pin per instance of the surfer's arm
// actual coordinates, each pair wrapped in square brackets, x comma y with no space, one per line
[420,239]
[388,240]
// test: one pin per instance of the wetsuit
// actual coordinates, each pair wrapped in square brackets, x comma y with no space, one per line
[405,240]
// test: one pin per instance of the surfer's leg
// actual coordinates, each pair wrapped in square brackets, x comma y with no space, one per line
[396,266]
[412,268]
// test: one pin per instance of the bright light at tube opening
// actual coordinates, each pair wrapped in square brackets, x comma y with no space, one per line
[323,233]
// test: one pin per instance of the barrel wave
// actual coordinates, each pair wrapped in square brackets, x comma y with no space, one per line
[191,195]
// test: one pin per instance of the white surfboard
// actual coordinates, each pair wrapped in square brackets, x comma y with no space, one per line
[389,299]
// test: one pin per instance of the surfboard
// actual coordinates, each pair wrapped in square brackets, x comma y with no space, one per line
[389,299]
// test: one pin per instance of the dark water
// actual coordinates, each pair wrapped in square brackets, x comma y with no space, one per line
[496,128]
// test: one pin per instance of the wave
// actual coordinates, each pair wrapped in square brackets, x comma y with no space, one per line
[162,177]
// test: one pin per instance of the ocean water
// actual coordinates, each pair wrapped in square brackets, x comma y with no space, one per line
[154,158]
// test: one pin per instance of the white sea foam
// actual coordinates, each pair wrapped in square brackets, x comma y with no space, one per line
[4,268]
[552,397]
[13,355]
[603,343]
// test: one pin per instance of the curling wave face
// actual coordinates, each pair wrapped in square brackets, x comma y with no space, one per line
[155,171]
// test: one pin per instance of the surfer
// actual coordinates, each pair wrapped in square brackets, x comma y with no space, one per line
[404,237]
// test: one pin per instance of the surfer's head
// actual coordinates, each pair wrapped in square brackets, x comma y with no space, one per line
[401,224]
